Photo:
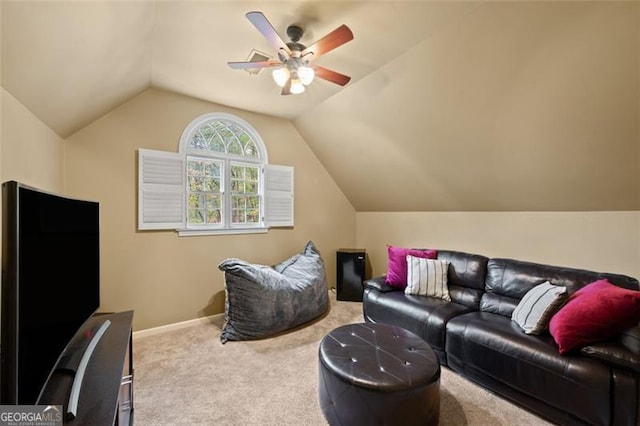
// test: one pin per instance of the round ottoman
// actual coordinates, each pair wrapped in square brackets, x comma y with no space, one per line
[378,374]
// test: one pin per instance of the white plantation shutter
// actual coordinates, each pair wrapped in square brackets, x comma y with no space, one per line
[278,189]
[161,190]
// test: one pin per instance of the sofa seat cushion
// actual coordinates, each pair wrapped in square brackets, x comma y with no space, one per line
[481,343]
[425,316]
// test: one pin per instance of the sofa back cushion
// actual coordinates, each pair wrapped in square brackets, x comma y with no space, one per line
[509,280]
[466,276]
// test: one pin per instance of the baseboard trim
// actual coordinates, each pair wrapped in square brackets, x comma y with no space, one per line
[190,323]
[175,326]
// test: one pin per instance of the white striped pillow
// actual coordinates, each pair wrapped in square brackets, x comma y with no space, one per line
[427,277]
[536,308]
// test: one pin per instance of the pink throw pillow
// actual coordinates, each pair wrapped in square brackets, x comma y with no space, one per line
[397,264]
[595,312]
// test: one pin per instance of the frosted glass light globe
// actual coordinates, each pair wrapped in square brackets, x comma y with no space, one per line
[281,75]
[306,75]
[296,86]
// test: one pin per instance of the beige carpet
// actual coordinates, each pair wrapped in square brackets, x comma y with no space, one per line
[187,377]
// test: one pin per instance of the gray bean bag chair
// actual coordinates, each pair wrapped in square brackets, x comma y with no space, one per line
[263,300]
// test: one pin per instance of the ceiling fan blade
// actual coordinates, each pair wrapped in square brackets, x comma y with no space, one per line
[286,89]
[266,29]
[257,64]
[335,38]
[330,75]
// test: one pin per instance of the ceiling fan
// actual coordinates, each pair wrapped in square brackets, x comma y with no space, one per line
[294,68]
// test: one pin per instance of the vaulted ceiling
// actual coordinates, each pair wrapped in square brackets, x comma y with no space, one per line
[70,62]
[452,106]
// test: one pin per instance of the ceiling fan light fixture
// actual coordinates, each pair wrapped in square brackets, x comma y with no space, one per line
[306,74]
[292,68]
[296,86]
[281,75]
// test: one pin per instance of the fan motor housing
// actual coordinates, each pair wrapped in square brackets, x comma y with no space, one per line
[295,33]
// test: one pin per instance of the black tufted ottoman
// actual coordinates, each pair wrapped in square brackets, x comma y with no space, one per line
[374,374]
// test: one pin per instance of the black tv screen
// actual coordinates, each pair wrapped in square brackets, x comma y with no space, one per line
[50,283]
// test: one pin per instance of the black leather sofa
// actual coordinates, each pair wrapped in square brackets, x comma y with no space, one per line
[474,336]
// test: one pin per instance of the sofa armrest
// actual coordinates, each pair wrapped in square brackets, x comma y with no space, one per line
[622,351]
[379,284]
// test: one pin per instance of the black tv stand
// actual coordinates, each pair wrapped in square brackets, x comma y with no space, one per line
[93,379]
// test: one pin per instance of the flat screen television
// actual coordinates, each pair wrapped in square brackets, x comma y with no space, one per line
[50,284]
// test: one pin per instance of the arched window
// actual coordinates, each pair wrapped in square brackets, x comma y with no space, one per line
[219,182]
[225,158]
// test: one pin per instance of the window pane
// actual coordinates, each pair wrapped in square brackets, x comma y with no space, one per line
[195,168]
[235,148]
[213,208]
[224,137]
[216,144]
[210,185]
[227,136]
[198,142]
[237,172]
[237,131]
[238,202]
[204,195]
[195,211]
[250,149]
[252,173]
[212,169]
[213,202]
[253,216]
[253,202]
[237,186]
[213,216]
[251,187]
[196,183]
[237,216]
[244,179]
[211,181]
[207,132]
[219,126]
[245,209]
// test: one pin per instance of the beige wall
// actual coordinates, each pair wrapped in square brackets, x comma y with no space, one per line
[600,241]
[167,278]
[31,152]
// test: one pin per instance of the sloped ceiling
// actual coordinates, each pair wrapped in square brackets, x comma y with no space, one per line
[453,106]
[523,106]
[70,62]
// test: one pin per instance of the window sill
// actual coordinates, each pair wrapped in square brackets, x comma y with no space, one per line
[231,231]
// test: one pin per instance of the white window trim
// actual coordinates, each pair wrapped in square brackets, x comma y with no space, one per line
[190,232]
[185,138]
[270,193]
